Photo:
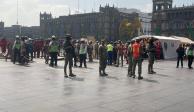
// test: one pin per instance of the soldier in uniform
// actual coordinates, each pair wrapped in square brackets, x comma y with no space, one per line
[96,47]
[54,50]
[69,53]
[151,56]
[130,59]
[102,59]
[137,53]
[90,51]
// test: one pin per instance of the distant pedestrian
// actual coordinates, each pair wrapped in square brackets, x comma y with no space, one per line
[190,55]
[115,52]
[69,54]
[90,51]
[130,59]
[120,53]
[54,50]
[102,59]
[83,53]
[110,53]
[180,55]
[96,48]
[137,59]
[16,50]
[151,56]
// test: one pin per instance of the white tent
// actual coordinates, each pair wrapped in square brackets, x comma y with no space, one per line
[184,40]
[169,45]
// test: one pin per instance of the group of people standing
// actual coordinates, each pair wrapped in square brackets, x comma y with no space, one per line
[108,53]
[185,52]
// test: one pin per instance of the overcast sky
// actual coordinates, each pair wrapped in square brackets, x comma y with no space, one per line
[29,10]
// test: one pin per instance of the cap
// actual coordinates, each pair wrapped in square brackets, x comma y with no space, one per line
[68,36]
[53,37]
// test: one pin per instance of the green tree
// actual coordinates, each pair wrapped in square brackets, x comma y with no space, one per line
[125,30]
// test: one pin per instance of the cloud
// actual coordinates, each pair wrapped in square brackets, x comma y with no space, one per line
[29,11]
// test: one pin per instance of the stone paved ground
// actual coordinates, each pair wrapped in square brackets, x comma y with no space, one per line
[39,88]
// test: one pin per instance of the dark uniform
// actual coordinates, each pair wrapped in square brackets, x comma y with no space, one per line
[102,59]
[130,60]
[69,53]
[151,56]
[90,51]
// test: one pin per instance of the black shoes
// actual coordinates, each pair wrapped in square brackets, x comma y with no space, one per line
[71,75]
[140,78]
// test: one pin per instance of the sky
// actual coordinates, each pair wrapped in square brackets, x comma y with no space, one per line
[29,10]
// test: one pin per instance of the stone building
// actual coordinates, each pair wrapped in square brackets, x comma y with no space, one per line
[31,32]
[102,24]
[169,21]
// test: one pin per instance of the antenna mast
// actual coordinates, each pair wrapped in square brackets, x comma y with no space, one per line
[17,12]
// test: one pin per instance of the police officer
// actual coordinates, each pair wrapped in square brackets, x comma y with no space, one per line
[130,59]
[54,49]
[16,49]
[102,59]
[69,53]
[137,58]
[151,56]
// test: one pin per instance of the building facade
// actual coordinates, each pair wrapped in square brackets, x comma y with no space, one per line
[31,32]
[102,24]
[169,21]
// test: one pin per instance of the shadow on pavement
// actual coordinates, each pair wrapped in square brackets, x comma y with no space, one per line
[76,79]
[149,80]
[162,75]
[111,77]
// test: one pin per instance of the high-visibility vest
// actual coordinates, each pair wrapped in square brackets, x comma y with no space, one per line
[136,50]
[54,47]
[109,47]
[17,45]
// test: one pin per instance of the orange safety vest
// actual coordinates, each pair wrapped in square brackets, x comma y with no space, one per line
[136,50]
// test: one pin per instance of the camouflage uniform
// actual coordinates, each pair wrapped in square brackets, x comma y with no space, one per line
[69,54]
[102,59]
[130,60]
[151,57]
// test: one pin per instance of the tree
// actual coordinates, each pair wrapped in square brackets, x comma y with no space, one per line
[129,30]
[125,29]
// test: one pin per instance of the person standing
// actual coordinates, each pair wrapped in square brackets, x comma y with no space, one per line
[190,55]
[115,52]
[83,53]
[137,54]
[110,53]
[180,55]
[151,56]
[120,53]
[90,51]
[102,59]
[130,59]
[16,50]
[69,54]
[96,48]
[54,50]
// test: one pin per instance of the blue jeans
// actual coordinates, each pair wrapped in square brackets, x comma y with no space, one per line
[110,57]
